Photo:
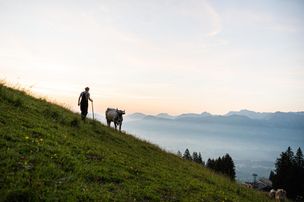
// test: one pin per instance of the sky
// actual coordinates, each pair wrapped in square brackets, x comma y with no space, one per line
[155,56]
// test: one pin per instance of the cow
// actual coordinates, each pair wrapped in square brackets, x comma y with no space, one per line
[115,115]
[280,195]
[272,193]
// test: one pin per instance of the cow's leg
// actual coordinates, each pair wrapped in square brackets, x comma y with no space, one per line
[115,124]
[119,126]
[109,122]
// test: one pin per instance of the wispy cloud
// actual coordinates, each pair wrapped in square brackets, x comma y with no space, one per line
[216,20]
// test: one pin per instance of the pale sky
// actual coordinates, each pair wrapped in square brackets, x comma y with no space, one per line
[156,56]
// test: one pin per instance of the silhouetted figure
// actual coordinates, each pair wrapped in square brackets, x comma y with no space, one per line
[83,101]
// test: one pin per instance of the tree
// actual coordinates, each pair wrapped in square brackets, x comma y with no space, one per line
[289,173]
[195,157]
[210,164]
[187,155]
[218,165]
[299,174]
[284,170]
[271,176]
[224,165]
[200,159]
[299,160]
[229,167]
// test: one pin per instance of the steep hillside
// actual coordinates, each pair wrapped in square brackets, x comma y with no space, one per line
[47,153]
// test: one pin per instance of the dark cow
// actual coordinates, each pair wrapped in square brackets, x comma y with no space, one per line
[114,115]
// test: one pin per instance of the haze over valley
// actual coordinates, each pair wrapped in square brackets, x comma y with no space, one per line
[253,139]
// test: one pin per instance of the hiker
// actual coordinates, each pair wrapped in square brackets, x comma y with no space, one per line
[84,103]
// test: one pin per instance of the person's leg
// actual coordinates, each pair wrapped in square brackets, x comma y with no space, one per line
[82,116]
[85,114]
[84,110]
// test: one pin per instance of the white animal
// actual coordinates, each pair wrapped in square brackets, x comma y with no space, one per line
[114,115]
[280,195]
[272,193]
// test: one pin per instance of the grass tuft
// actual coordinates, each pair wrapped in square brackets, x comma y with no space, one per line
[75,122]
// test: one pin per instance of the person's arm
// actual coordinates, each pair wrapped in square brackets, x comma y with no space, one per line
[90,98]
[79,99]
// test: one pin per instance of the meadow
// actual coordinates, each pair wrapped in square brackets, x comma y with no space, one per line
[48,154]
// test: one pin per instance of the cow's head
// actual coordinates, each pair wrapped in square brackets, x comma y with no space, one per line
[119,119]
[121,112]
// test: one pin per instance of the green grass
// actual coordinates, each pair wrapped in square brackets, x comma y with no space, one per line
[49,154]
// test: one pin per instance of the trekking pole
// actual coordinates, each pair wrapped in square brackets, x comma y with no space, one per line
[93,110]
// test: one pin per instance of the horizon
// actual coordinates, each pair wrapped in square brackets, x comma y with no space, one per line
[219,114]
[199,113]
[157,56]
[75,109]
[216,114]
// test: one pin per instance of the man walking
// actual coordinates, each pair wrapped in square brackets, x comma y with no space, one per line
[83,101]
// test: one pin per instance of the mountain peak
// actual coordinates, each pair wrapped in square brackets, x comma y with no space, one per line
[165,116]
[206,114]
[137,115]
[250,114]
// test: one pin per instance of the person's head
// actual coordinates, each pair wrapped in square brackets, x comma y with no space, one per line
[87,89]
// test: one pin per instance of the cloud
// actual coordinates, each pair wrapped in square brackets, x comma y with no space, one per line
[216,20]
[163,51]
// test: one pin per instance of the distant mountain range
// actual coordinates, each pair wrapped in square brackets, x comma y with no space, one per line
[243,117]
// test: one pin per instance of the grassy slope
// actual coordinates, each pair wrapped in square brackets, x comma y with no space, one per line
[47,153]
